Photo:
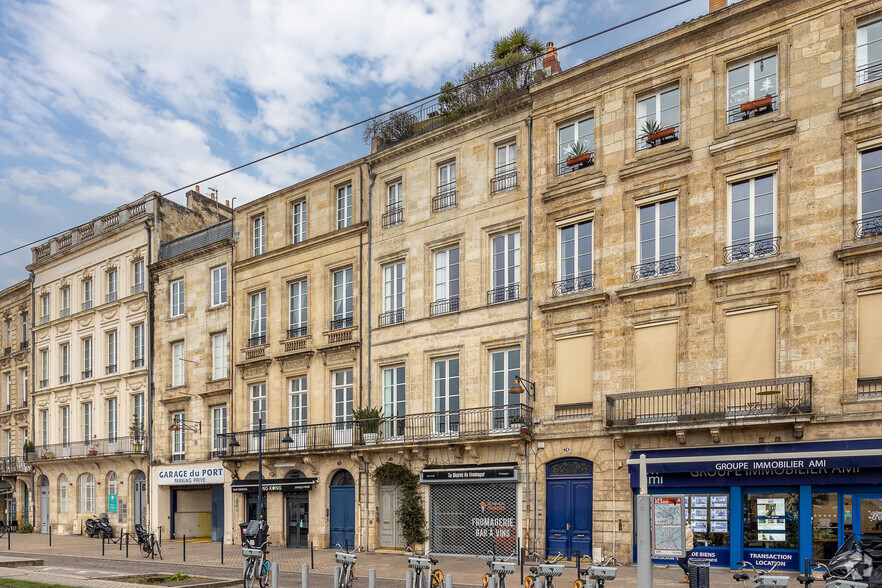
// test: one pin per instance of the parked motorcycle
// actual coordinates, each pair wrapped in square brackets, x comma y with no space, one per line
[857,562]
[91,527]
[102,527]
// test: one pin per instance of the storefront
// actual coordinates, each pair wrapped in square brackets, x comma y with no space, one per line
[195,498]
[290,493]
[473,510]
[781,502]
[7,496]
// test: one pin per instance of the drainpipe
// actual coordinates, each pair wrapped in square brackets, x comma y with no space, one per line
[361,287]
[529,121]
[373,178]
[33,340]
[150,359]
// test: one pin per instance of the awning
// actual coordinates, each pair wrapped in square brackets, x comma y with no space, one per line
[5,487]
[284,485]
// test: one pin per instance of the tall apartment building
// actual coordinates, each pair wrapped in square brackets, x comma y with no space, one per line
[15,421]
[91,402]
[191,382]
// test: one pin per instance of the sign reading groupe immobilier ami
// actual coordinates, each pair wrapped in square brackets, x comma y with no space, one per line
[185,476]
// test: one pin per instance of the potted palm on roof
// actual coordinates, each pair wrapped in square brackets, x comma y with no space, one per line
[578,154]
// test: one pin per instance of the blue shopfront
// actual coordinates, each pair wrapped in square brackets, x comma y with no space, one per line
[774,502]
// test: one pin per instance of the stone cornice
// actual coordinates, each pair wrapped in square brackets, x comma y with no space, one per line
[571,301]
[861,250]
[860,105]
[752,269]
[753,135]
[574,186]
[302,247]
[655,287]
[647,164]
[191,255]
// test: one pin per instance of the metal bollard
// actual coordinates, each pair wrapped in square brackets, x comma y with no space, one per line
[274,575]
[185,548]
[304,576]
[160,536]
[372,578]
[408,579]
[102,544]
[448,581]
[311,555]
[491,581]
[127,546]
[337,572]
[9,542]
[50,535]
[121,533]
[222,550]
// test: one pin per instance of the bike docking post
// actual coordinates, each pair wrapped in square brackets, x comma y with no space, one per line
[337,573]
[102,544]
[311,555]
[408,579]
[304,576]
[372,578]
[448,581]
[644,541]
[222,550]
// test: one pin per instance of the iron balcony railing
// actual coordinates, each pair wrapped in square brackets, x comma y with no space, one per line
[391,317]
[137,288]
[44,383]
[297,332]
[44,319]
[582,410]
[776,397]
[443,427]
[762,105]
[87,305]
[572,284]
[341,323]
[111,369]
[64,378]
[446,197]
[64,312]
[93,448]
[563,168]
[256,341]
[869,387]
[504,293]
[87,374]
[23,345]
[753,250]
[870,226]
[138,362]
[669,266]
[444,306]
[505,179]
[7,350]
[869,73]
[13,465]
[394,215]
[111,297]
[662,136]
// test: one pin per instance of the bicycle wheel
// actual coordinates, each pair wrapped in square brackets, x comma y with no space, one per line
[249,576]
[264,572]
[157,548]
[437,579]
[530,581]
[145,548]
[485,581]
[578,584]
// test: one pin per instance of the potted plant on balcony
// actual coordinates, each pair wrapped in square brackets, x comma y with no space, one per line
[93,446]
[653,131]
[49,455]
[578,155]
[137,431]
[764,102]
[368,419]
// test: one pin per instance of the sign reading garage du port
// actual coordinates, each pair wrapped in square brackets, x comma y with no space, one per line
[186,476]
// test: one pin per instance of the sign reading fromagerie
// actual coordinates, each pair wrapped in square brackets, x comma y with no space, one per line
[184,476]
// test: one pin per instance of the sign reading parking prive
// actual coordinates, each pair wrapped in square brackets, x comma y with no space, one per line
[185,476]
[668,526]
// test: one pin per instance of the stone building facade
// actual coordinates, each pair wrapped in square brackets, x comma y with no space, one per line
[15,372]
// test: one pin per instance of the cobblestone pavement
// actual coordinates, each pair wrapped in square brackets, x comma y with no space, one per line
[69,556]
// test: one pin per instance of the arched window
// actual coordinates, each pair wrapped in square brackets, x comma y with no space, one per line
[112,486]
[62,494]
[572,466]
[87,493]
[342,478]
[294,475]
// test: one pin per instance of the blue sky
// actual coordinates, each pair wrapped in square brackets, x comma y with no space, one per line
[102,101]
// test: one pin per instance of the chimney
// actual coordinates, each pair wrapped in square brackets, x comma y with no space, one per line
[228,203]
[197,188]
[717,5]
[550,63]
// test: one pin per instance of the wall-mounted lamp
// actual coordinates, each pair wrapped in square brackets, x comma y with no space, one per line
[521,385]
[179,423]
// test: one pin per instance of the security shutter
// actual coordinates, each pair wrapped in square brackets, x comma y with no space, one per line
[750,344]
[575,369]
[473,519]
[870,335]
[655,350]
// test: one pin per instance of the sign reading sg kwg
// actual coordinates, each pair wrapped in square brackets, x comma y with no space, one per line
[184,476]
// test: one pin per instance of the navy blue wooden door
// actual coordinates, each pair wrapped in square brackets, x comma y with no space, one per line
[343,509]
[217,513]
[569,505]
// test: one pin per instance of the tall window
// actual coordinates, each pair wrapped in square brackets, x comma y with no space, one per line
[24,387]
[218,285]
[344,206]
[178,437]
[395,195]
[297,401]
[219,356]
[138,346]
[24,330]
[8,444]
[658,239]
[62,494]
[752,214]
[9,332]
[658,118]
[749,83]
[342,383]
[65,308]
[869,52]
[258,233]
[870,212]
[298,221]
[176,302]
[506,174]
[446,281]
[88,433]
[504,366]
[44,428]
[138,276]
[44,309]
[138,415]
[577,136]
[446,197]
[87,358]
[112,286]
[342,299]
[87,295]
[394,206]
[393,294]
[218,427]
[7,393]
[65,425]
[87,493]
[258,411]
[64,352]
[112,419]
[111,352]
[44,368]
[178,370]
[576,258]
[112,486]
[394,400]
[446,380]
[258,319]
[297,309]
[506,268]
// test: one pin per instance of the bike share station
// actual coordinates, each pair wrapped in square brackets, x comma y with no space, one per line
[775,502]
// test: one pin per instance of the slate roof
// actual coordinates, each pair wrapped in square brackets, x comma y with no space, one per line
[197,240]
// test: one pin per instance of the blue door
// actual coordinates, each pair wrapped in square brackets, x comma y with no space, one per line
[343,509]
[217,513]
[568,495]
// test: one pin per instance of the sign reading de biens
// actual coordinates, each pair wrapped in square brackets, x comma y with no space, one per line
[184,476]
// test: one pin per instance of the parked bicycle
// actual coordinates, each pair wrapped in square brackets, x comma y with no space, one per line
[499,568]
[421,565]
[761,578]
[255,549]
[601,573]
[147,542]
[548,570]
[830,580]
[346,559]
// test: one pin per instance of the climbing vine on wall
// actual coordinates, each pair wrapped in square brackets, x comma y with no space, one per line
[410,512]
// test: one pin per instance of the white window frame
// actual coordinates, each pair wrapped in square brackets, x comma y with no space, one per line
[179,377]
[138,345]
[65,308]
[342,299]
[657,236]
[112,286]
[64,418]
[219,356]
[394,195]
[44,427]
[752,90]
[44,367]
[112,407]
[138,412]
[298,221]
[258,234]
[447,420]
[218,427]
[88,293]
[62,494]
[861,213]
[394,286]
[446,177]
[445,287]
[45,305]
[501,416]
[872,70]
[87,493]
[298,307]
[88,429]
[342,387]
[64,352]
[506,163]
[511,264]
[176,298]
[657,114]
[751,207]
[112,352]
[344,206]
[579,279]
[218,285]
[257,396]
[258,317]
[88,352]
[178,437]
[579,136]
[138,276]
[394,400]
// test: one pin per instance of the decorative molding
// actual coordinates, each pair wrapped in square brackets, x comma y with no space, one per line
[63,327]
[334,355]
[752,270]
[858,106]
[137,305]
[655,287]
[259,369]
[298,362]
[576,187]
[757,134]
[110,313]
[645,165]
[850,253]
[86,320]
[594,299]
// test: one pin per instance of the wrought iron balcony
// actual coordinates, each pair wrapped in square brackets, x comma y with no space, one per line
[504,293]
[563,168]
[869,73]
[573,284]
[660,137]
[505,179]
[753,250]
[391,317]
[64,378]
[760,106]
[584,410]
[341,323]
[394,215]
[656,269]
[444,306]
[726,403]
[44,319]
[65,312]
[138,362]
[869,387]
[87,305]
[87,374]
[138,288]
[111,369]
[446,197]
[14,465]
[257,340]
[93,448]
[23,345]
[297,332]
[111,297]
[870,226]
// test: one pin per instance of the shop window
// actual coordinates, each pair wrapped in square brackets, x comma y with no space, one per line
[709,516]
[750,345]
[771,520]
[825,525]
[655,352]
[575,369]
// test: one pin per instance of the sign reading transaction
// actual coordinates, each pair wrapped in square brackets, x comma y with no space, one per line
[184,476]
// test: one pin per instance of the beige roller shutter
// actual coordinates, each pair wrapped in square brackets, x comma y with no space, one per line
[750,345]
[575,369]
[655,352]
[870,335]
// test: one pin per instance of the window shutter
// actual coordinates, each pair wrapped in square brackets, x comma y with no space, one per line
[575,369]
[751,339]
[655,350]
[870,336]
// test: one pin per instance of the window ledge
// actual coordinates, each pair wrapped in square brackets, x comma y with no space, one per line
[654,286]
[216,307]
[848,252]
[742,270]
[866,101]
[756,133]
[590,297]
[567,185]
[649,160]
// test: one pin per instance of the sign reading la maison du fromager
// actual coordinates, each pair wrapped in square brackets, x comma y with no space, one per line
[183,476]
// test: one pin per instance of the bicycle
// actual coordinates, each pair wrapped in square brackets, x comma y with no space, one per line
[549,570]
[347,562]
[499,568]
[761,578]
[258,566]
[147,542]
[600,573]
[421,565]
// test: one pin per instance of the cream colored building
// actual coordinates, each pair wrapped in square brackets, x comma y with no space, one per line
[91,403]
[15,373]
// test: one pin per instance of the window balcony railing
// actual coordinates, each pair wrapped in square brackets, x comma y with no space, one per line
[753,250]
[869,73]
[23,345]
[14,465]
[7,350]
[573,284]
[446,197]
[87,305]
[391,317]
[656,269]
[728,402]
[504,293]
[869,387]
[87,374]
[297,332]
[760,106]
[138,362]
[869,226]
[563,168]
[138,288]
[505,179]
[257,341]
[178,457]
[111,297]
[65,312]
[44,383]
[8,406]
[394,215]
[44,319]
[92,448]
[111,369]
[584,410]
[64,378]
[444,306]
[341,323]
[659,137]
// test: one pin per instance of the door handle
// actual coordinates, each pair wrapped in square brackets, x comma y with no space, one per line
[568,526]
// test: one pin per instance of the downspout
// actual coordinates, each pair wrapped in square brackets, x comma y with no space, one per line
[361,287]
[234,240]
[33,340]
[367,471]
[150,359]
[529,121]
